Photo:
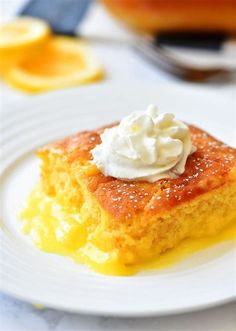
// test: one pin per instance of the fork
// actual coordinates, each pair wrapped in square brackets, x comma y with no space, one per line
[167,61]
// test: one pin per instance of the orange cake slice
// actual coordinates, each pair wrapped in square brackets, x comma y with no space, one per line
[111,223]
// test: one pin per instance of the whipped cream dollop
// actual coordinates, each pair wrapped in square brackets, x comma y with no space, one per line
[145,146]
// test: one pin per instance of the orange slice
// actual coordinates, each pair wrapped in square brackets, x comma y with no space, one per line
[19,39]
[63,61]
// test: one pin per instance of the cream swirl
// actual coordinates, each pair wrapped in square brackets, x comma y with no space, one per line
[145,146]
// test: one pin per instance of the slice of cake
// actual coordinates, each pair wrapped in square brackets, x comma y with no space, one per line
[130,220]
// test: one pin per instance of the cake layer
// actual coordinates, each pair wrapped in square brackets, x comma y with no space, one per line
[66,161]
[118,248]
[133,222]
[143,237]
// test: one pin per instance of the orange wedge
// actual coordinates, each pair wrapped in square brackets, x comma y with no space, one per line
[19,39]
[63,62]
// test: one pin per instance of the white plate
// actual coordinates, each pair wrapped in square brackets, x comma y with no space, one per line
[205,279]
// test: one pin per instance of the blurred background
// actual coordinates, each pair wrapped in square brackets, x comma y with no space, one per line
[181,41]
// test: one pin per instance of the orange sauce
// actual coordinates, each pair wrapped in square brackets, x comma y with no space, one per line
[55,230]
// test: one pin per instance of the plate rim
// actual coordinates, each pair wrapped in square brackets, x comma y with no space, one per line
[114,313]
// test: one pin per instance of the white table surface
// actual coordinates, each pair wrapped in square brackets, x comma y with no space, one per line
[121,64]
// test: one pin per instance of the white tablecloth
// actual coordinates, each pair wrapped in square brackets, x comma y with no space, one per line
[121,64]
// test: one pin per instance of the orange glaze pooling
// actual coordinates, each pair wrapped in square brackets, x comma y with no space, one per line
[59,231]
[208,168]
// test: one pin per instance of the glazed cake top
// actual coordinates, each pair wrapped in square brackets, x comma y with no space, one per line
[212,165]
